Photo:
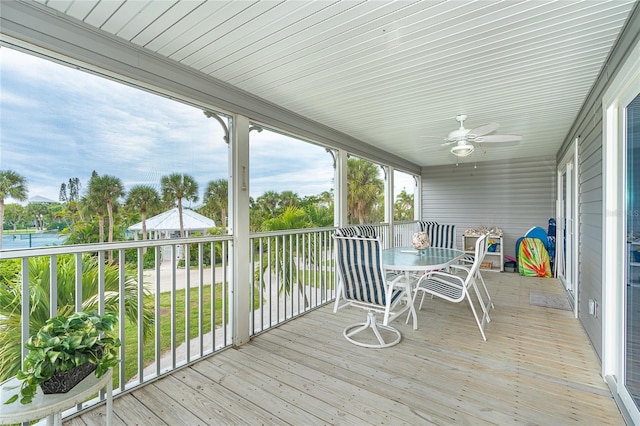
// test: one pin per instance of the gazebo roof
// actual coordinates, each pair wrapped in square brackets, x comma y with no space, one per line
[41,199]
[170,221]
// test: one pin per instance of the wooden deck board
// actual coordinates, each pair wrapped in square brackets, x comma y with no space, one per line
[536,368]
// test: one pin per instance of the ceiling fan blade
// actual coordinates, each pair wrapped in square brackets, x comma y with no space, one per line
[484,129]
[499,138]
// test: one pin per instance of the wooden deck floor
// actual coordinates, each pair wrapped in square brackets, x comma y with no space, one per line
[536,368]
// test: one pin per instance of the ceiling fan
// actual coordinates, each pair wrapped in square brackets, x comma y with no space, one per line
[463,139]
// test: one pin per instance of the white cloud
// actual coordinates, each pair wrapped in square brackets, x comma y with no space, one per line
[58,122]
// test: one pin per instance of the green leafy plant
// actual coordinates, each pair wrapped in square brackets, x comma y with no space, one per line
[65,342]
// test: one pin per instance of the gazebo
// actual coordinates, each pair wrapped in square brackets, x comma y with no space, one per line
[167,224]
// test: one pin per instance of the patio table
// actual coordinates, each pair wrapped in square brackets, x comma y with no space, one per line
[410,261]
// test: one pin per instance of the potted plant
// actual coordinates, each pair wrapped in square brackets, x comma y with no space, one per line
[66,350]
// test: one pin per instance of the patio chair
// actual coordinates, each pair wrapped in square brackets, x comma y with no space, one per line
[442,235]
[348,231]
[367,230]
[363,285]
[467,262]
[456,288]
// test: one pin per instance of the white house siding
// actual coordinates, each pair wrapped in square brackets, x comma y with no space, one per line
[513,195]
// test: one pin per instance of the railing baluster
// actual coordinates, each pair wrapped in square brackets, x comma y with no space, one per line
[157,308]
[260,282]
[225,295]
[121,318]
[100,295]
[140,253]
[78,282]
[25,305]
[53,286]
[213,296]
[174,266]
[187,300]
[270,293]
[201,298]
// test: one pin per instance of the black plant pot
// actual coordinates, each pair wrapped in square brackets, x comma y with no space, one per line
[63,382]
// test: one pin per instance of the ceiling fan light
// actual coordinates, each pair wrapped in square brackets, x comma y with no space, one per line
[462,150]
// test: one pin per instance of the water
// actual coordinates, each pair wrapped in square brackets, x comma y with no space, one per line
[31,240]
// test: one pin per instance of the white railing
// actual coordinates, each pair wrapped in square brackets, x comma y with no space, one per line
[293,273]
[403,233]
[170,315]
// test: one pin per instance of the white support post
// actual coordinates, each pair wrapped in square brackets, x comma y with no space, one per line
[388,204]
[417,198]
[239,227]
[340,189]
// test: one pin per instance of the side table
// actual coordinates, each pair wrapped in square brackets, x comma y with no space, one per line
[52,405]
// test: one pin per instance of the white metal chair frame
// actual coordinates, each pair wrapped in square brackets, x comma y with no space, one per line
[455,288]
[363,285]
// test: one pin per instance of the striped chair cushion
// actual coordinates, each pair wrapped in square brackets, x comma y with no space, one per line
[347,231]
[367,230]
[360,266]
[442,235]
[423,225]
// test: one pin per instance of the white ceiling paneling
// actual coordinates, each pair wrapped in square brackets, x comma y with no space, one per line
[164,22]
[102,11]
[80,9]
[145,16]
[385,72]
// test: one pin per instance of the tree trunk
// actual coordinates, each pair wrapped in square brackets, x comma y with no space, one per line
[101,228]
[110,213]
[180,216]
[1,221]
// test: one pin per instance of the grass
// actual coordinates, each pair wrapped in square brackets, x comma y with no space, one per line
[314,278]
[131,330]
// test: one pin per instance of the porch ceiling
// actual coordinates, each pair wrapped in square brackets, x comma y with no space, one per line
[388,73]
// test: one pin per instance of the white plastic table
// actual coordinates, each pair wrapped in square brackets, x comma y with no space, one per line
[52,405]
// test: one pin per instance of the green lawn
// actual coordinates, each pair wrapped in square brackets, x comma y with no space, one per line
[131,330]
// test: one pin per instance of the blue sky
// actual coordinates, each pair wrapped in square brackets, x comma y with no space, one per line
[57,123]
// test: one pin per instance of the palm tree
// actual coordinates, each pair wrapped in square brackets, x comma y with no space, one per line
[106,190]
[39,286]
[403,207]
[216,197]
[91,205]
[364,187]
[12,185]
[288,199]
[292,218]
[176,187]
[144,198]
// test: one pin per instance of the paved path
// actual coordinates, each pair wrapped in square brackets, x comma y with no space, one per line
[181,274]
